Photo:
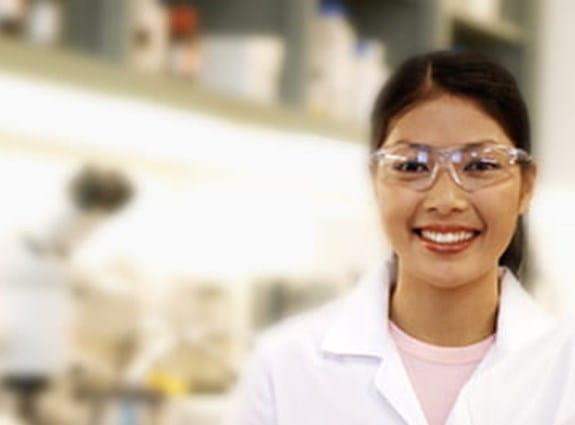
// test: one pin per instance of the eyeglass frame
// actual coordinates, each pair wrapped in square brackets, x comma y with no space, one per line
[517,156]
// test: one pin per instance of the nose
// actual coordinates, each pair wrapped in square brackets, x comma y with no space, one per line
[445,196]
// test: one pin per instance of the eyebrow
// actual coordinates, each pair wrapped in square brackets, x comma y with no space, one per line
[468,145]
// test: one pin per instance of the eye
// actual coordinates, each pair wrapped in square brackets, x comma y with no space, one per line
[482,165]
[410,166]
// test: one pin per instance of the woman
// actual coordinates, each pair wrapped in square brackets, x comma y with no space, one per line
[443,333]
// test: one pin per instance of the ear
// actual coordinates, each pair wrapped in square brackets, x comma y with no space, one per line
[528,178]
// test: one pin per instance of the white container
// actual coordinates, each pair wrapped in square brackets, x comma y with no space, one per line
[184,60]
[184,54]
[44,22]
[197,409]
[331,61]
[11,10]
[149,35]
[246,66]
[485,10]
[371,72]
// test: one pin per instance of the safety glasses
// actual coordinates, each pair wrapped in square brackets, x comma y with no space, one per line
[472,166]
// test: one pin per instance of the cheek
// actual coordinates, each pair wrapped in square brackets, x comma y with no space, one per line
[396,209]
[500,210]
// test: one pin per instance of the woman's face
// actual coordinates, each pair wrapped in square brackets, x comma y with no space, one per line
[445,209]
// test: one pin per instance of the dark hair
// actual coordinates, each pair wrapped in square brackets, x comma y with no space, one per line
[470,75]
[98,189]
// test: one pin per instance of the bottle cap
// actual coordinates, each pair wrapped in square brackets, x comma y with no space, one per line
[332,8]
[362,47]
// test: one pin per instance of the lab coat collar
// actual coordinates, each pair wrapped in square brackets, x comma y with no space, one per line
[361,325]
[360,328]
[520,320]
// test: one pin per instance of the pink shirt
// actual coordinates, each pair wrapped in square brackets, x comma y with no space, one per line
[438,373]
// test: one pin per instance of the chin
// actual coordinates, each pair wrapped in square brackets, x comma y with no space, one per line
[450,274]
[445,280]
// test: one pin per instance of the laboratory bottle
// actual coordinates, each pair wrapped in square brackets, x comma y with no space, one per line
[371,71]
[44,22]
[331,61]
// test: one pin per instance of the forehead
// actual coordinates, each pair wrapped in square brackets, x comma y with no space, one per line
[446,121]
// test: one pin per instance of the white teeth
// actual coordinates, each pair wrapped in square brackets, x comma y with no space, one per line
[446,237]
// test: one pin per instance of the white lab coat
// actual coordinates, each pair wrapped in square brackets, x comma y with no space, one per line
[339,366]
[36,312]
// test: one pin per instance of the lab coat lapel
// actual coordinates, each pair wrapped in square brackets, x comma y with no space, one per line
[361,321]
[393,383]
[361,329]
[460,414]
[520,322]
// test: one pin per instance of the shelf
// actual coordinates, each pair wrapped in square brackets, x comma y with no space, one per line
[502,31]
[62,66]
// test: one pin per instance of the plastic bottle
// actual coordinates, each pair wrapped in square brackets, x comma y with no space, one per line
[184,39]
[149,51]
[486,10]
[331,61]
[371,71]
[44,23]
[11,16]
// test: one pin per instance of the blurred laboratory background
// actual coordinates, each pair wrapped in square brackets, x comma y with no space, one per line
[177,175]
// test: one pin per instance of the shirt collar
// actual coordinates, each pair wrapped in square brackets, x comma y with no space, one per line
[360,325]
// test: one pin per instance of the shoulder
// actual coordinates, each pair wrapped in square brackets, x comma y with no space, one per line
[533,360]
[521,320]
[298,338]
[283,353]
[540,376]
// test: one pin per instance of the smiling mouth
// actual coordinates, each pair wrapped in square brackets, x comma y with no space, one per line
[447,241]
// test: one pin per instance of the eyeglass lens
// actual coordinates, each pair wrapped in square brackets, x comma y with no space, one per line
[475,167]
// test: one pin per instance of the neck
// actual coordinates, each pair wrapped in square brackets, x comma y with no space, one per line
[455,316]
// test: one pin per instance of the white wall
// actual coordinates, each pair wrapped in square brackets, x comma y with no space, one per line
[553,210]
[261,202]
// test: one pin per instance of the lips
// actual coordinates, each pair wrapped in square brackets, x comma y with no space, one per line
[447,238]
